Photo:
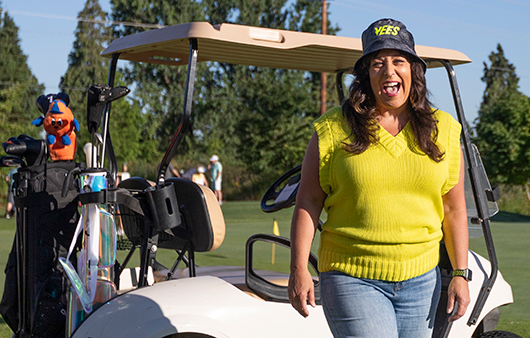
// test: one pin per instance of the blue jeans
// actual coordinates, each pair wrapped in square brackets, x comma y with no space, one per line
[367,308]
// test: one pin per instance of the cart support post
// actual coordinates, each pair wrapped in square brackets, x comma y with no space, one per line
[147,253]
[479,195]
[107,141]
[340,85]
[186,114]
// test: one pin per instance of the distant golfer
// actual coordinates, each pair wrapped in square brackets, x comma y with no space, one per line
[10,206]
[199,177]
[216,175]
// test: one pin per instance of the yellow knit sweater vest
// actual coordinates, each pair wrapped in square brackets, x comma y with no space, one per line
[384,206]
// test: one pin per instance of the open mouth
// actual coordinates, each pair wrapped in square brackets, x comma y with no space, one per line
[391,88]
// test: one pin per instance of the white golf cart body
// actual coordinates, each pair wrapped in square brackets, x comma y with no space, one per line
[211,305]
[217,303]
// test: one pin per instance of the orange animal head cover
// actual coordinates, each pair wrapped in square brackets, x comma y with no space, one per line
[60,126]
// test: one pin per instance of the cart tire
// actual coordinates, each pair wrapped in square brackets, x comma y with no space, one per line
[499,334]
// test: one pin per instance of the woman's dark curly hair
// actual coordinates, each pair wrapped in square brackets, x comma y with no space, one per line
[359,111]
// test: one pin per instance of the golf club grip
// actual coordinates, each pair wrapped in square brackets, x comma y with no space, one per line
[14,148]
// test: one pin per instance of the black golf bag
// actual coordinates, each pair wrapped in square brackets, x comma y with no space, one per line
[34,302]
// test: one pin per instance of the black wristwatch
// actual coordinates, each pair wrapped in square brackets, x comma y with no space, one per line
[465,273]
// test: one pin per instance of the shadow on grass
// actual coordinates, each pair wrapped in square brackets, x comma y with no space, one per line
[504,216]
[2,321]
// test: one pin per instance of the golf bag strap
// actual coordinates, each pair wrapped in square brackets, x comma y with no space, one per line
[37,199]
[113,196]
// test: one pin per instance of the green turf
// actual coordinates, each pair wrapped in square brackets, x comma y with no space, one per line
[7,233]
[511,236]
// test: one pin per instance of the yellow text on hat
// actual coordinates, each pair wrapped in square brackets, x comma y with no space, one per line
[387,30]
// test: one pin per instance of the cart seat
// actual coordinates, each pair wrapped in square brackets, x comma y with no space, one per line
[201,216]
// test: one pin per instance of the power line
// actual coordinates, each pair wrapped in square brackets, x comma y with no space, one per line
[69,18]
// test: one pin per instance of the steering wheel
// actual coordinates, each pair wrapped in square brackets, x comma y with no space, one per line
[282,193]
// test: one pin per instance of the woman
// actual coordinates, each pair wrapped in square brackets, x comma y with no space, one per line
[387,168]
[199,177]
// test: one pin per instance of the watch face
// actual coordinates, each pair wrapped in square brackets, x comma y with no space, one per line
[466,273]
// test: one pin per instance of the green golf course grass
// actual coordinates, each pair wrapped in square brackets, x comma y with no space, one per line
[511,234]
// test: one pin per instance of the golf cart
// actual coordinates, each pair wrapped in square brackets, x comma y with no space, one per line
[182,216]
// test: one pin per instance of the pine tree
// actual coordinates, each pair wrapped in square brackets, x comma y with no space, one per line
[85,65]
[85,68]
[499,77]
[19,88]
[503,124]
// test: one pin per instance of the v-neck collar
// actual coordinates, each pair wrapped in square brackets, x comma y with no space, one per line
[395,145]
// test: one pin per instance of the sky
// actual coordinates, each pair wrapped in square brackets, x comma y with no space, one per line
[473,27]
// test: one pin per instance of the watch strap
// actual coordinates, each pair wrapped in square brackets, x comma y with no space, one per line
[464,273]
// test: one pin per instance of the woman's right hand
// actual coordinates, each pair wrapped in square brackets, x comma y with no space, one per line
[309,203]
[301,290]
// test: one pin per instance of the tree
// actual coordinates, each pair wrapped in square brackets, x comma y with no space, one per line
[87,67]
[19,88]
[266,123]
[503,124]
[159,88]
[256,119]
[500,77]
[128,127]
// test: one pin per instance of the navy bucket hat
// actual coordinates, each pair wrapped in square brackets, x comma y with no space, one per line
[388,34]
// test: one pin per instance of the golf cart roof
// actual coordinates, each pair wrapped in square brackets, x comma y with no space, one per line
[256,46]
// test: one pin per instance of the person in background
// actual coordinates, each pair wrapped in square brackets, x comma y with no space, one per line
[10,210]
[388,170]
[199,177]
[124,174]
[171,171]
[216,176]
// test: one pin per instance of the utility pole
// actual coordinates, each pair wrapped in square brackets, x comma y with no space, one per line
[323,77]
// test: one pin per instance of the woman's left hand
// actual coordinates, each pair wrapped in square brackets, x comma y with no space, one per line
[458,296]
[456,239]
